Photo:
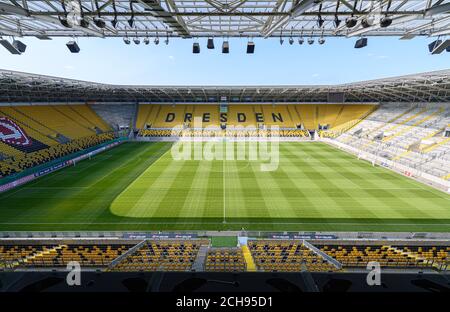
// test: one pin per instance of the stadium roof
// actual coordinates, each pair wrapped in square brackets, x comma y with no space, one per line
[17,87]
[223,18]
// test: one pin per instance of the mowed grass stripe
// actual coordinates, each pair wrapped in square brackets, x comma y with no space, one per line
[383,199]
[325,195]
[344,187]
[253,197]
[234,205]
[138,186]
[69,203]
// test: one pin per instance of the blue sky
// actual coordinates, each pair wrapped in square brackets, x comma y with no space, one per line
[111,61]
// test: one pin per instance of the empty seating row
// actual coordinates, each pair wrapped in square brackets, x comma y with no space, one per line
[411,135]
[286,256]
[23,161]
[307,116]
[60,255]
[223,133]
[162,256]
[361,255]
[225,260]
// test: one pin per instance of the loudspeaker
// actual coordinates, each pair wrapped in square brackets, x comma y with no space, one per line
[64,22]
[439,46]
[210,44]
[250,48]
[385,21]
[73,47]
[19,45]
[196,48]
[361,43]
[225,47]
[84,23]
[8,46]
[433,45]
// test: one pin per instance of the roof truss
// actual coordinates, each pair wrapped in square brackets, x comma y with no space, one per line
[223,18]
[17,87]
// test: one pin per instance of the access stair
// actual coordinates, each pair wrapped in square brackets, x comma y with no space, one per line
[37,255]
[435,145]
[416,257]
[250,263]
[417,123]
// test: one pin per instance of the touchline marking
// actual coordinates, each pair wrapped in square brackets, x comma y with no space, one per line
[187,223]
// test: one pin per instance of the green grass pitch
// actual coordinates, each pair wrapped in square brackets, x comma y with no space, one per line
[138,186]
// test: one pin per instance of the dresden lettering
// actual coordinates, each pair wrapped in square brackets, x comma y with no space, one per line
[225,117]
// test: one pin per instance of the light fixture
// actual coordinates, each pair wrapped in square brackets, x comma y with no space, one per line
[367,21]
[351,22]
[84,22]
[114,21]
[385,21]
[136,40]
[126,40]
[167,38]
[64,22]
[156,41]
[131,20]
[291,40]
[146,40]
[98,21]
[320,20]
[337,21]
[310,41]
[301,40]
[321,40]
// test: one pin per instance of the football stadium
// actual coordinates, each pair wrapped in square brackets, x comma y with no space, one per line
[224,188]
